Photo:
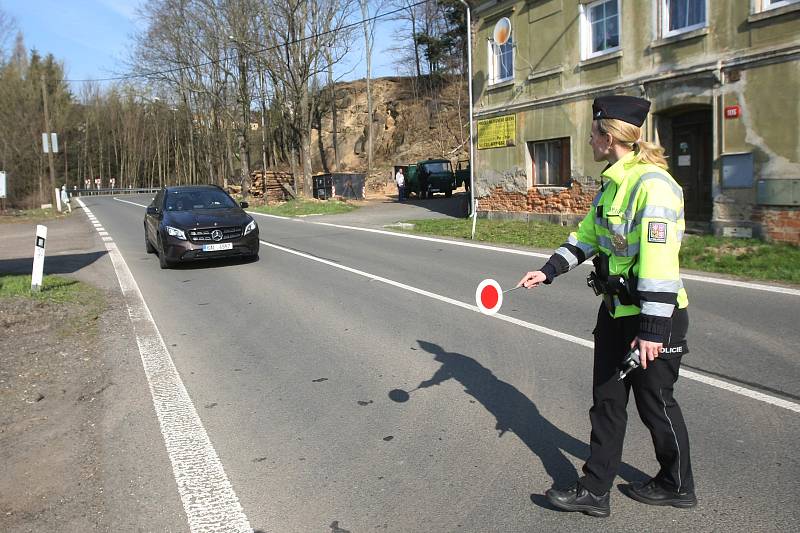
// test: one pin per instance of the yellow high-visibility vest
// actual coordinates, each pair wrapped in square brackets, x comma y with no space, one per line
[637,220]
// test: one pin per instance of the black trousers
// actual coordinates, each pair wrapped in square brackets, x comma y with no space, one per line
[652,390]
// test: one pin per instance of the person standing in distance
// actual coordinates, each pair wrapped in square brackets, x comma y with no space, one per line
[633,231]
[401,184]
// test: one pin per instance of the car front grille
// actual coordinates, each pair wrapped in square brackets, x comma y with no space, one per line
[204,235]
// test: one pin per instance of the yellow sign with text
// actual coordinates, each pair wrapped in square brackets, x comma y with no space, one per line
[497,132]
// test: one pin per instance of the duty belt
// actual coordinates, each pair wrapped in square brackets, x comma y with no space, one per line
[610,286]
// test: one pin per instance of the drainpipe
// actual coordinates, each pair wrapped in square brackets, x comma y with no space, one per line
[471,121]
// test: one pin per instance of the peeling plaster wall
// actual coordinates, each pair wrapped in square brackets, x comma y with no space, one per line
[769,125]
[510,180]
[745,59]
[769,128]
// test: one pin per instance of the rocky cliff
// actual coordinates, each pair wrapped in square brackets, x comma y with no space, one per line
[411,121]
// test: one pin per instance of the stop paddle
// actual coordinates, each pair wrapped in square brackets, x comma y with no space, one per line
[489,296]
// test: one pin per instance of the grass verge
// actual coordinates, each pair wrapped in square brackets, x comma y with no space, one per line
[303,207]
[533,234]
[57,290]
[32,215]
[746,258]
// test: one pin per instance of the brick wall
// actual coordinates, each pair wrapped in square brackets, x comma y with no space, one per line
[576,199]
[779,224]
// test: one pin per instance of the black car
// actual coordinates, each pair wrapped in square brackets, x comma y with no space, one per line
[192,222]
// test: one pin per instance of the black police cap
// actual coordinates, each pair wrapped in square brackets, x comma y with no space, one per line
[626,108]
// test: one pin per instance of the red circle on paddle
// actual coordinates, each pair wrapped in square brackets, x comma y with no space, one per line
[488,296]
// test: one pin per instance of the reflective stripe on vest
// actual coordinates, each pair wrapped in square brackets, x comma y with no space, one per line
[622,233]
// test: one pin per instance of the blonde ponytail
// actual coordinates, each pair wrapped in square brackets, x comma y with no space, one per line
[647,152]
[631,136]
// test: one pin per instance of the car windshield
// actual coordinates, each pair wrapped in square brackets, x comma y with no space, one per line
[205,199]
[437,167]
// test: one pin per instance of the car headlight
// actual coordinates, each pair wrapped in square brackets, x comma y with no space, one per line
[175,232]
[250,227]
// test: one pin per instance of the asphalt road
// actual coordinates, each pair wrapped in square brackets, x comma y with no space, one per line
[290,360]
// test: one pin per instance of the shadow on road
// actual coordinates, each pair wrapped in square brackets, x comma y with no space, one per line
[203,264]
[516,413]
[53,264]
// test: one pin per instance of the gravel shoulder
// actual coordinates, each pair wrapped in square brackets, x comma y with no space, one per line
[80,446]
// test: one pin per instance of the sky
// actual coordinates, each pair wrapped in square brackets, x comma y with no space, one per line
[94,37]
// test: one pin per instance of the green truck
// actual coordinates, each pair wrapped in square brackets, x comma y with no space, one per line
[427,177]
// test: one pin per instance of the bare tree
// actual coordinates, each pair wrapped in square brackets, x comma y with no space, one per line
[369,41]
[305,29]
[8,28]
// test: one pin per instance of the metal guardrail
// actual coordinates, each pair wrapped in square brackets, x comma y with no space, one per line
[112,190]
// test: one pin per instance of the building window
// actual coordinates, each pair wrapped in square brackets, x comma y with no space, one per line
[501,61]
[679,16]
[765,5]
[549,162]
[599,28]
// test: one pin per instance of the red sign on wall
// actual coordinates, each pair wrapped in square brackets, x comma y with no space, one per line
[733,111]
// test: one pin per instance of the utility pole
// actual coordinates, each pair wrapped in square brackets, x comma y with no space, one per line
[472,139]
[49,139]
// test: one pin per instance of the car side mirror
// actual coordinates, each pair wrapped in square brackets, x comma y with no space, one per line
[244,205]
[152,210]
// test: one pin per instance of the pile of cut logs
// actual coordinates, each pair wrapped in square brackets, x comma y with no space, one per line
[272,186]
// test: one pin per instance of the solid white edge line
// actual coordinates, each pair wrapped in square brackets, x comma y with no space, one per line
[407,236]
[742,284]
[208,498]
[766,398]
[779,402]
[128,202]
[693,277]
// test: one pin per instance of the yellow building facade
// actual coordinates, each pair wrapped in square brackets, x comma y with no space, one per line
[723,77]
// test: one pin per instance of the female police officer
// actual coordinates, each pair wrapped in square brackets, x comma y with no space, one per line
[633,230]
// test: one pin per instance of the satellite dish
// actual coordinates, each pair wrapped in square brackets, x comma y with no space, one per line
[502,31]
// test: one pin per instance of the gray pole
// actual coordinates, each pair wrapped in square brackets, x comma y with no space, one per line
[471,121]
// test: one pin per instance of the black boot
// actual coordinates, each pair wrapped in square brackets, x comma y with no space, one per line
[578,498]
[652,493]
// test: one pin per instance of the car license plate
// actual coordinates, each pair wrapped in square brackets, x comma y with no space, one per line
[217,247]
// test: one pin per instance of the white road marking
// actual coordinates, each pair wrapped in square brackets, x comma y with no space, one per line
[102,232]
[742,284]
[766,398]
[417,237]
[107,239]
[128,202]
[693,277]
[207,495]
[791,406]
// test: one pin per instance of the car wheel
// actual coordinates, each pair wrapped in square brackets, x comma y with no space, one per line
[163,262]
[147,246]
